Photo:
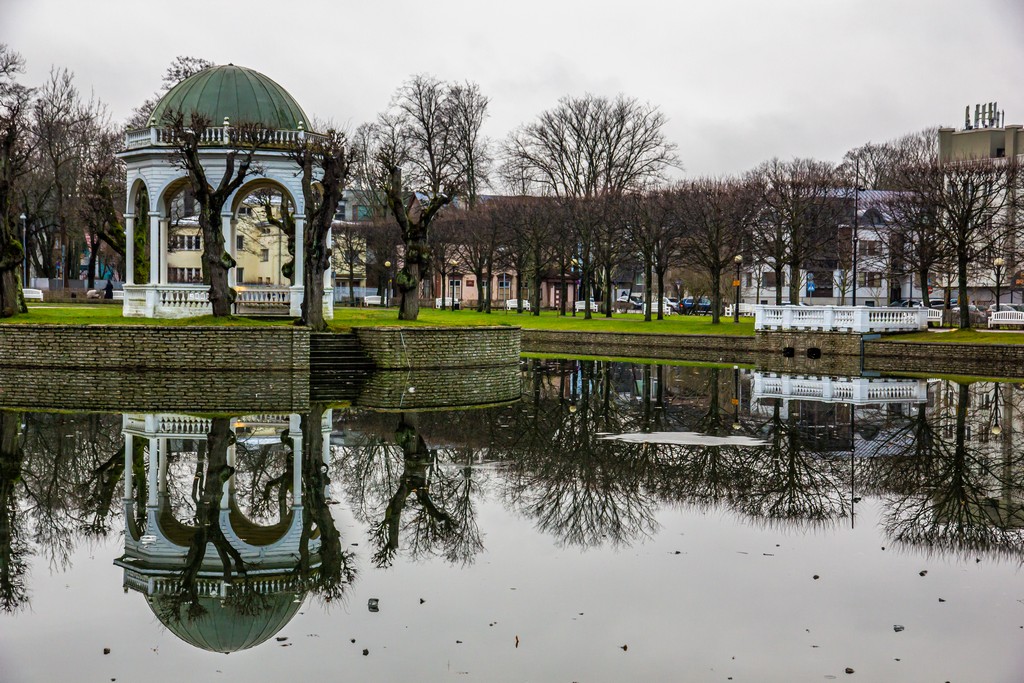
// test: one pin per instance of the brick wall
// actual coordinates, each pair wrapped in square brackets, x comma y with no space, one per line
[440,347]
[691,347]
[840,352]
[149,347]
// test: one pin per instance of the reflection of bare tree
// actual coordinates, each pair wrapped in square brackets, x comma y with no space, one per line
[961,495]
[414,497]
[336,569]
[580,488]
[208,530]
[788,482]
[13,546]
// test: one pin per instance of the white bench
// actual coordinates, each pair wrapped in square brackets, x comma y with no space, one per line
[935,316]
[32,294]
[1006,318]
[654,309]
[372,300]
[447,302]
[582,306]
[513,305]
[745,309]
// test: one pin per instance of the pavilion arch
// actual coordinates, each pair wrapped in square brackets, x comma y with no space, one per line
[222,94]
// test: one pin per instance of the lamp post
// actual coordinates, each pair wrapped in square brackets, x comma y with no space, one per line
[736,283]
[387,291]
[24,250]
[999,262]
[451,280]
[736,397]
[996,429]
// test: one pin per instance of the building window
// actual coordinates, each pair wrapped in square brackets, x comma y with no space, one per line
[504,286]
[244,211]
[240,242]
[264,255]
[869,279]
[186,243]
[239,274]
[768,279]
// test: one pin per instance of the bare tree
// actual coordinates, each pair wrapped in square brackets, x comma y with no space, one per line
[971,204]
[590,147]
[179,69]
[324,164]
[420,132]
[799,215]
[188,132]
[715,216]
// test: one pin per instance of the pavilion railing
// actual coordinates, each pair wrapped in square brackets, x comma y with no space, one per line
[160,136]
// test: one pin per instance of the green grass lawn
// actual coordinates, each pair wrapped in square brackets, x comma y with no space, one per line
[347,318]
[979,336]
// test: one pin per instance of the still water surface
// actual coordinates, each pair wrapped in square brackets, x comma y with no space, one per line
[762,529]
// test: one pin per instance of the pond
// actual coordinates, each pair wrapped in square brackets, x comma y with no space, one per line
[615,522]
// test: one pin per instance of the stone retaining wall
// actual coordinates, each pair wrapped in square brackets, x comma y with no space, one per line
[441,389]
[983,360]
[440,347]
[141,347]
[153,390]
[839,352]
[685,347]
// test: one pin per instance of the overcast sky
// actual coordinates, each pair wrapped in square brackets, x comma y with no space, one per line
[739,80]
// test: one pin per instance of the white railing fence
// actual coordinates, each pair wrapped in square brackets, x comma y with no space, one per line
[856,390]
[855,319]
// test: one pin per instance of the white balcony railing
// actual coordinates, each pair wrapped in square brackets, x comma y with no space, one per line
[855,390]
[854,319]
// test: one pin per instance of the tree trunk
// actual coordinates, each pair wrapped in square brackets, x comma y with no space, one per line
[778,284]
[609,295]
[217,261]
[93,257]
[661,294]
[408,287]
[961,285]
[9,293]
[716,296]
[923,275]
[648,276]
[536,290]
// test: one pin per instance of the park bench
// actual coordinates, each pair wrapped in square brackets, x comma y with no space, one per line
[448,302]
[372,300]
[582,306]
[513,305]
[32,294]
[1006,318]
[654,309]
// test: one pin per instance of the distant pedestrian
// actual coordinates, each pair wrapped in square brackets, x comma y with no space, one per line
[108,291]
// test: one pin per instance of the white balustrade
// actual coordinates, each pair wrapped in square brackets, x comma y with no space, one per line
[159,136]
[853,319]
[855,390]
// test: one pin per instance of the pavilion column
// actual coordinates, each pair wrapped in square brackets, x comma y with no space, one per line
[152,471]
[129,452]
[163,465]
[295,432]
[325,453]
[154,250]
[228,226]
[129,249]
[165,229]
[297,290]
[229,485]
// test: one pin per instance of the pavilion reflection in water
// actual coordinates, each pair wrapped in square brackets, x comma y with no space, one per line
[220,580]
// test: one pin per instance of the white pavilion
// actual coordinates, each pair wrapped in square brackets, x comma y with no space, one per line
[225,94]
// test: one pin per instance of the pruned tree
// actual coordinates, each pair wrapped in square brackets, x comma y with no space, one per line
[188,131]
[421,132]
[589,147]
[15,101]
[324,164]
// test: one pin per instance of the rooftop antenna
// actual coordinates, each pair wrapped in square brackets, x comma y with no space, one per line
[967,117]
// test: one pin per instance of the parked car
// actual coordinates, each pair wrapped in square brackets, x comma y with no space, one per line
[701,307]
[906,303]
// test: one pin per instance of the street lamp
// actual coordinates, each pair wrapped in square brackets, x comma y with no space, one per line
[451,280]
[736,283]
[24,250]
[387,292]
[856,224]
[996,429]
[999,262]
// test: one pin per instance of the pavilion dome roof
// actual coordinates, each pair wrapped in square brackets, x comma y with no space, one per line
[224,628]
[235,92]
